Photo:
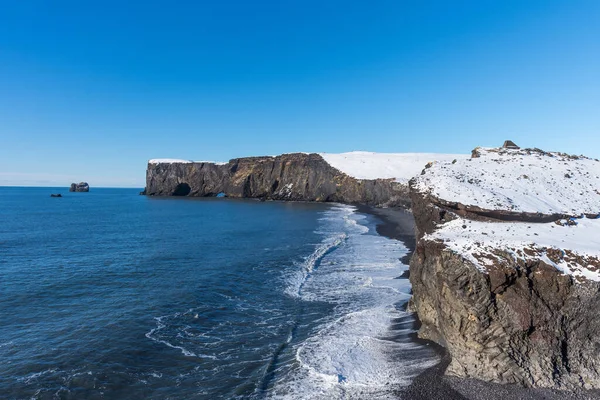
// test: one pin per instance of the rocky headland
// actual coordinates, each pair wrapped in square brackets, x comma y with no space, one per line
[506,272]
[291,177]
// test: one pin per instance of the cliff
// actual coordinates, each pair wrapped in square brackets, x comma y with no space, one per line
[298,176]
[506,272]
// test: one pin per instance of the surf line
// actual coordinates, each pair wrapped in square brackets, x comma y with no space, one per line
[314,260]
[311,263]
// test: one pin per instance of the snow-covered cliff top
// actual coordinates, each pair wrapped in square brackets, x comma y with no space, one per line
[521,181]
[530,181]
[168,161]
[364,165]
[177,161]
[399,166]
[572,246]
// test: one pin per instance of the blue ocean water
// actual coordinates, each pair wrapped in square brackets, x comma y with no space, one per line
[112,295]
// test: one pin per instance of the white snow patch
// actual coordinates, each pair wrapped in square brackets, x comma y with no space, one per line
[211,162]
[178,161]
[169,161]
[399,166]
[518,181]
[479,243]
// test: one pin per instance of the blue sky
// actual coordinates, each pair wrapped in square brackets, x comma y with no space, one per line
[92,90]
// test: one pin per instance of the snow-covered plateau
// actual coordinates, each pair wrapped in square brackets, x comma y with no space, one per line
[526,181]
[179,161]
[363,164]
[399,166]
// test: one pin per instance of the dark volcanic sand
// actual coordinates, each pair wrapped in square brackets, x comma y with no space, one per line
[397,223]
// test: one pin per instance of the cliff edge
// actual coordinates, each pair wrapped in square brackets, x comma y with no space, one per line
[506,272]
[297,176]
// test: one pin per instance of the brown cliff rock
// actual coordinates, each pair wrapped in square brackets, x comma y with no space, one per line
[509,307]
[296,177]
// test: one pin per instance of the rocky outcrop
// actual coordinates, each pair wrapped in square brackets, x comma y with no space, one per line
[509,144]
[296,177]
[79,187]
[511,295]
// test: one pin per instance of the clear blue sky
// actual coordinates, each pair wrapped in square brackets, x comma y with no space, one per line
[92,90]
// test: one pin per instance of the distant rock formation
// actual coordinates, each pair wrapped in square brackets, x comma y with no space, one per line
[296,177]
[79,187]
[506,272]
[56,195]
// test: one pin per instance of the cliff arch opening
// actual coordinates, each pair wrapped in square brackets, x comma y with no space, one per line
[183,189]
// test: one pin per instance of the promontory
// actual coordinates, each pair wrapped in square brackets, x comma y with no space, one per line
[506,271]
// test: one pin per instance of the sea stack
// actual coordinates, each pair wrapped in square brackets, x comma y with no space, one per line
[506,272]
[79,187]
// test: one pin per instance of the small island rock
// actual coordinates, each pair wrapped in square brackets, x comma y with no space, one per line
[79,187]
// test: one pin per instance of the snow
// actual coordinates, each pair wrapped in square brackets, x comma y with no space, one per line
[521,181]
[286,190]
[178,161]
[573,247]
[168,161]
[399,166]
[518,181]
[211,162]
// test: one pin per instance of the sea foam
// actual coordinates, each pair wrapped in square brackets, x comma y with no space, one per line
[365,348]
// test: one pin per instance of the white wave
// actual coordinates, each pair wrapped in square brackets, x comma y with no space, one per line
[353,221]
[152,335]
[35,375]
[297,280]
[354,353]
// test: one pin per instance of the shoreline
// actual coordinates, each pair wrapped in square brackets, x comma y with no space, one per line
[398,224]
[432,384]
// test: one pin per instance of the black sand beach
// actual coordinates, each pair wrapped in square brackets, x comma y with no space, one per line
[432,384]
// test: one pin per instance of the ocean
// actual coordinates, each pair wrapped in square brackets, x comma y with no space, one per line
[113,295]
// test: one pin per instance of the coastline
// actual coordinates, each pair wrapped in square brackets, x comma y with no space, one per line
[398,224]
[432,384]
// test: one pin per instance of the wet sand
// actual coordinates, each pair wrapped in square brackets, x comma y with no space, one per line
[397,223]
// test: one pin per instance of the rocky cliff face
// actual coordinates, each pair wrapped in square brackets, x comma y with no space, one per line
[506,270]
[305,177]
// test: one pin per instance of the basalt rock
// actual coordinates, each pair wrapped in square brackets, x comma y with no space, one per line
[79,187]
[295,177]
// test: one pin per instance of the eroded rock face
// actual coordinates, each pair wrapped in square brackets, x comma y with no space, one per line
[302,177]
[79,187]
[508,309]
